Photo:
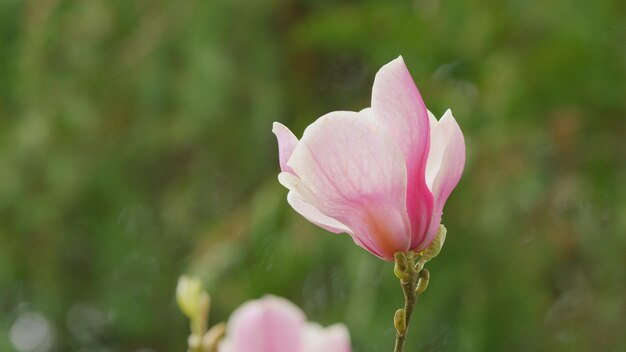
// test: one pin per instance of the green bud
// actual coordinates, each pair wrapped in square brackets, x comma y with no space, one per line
[399,321]
[188,293]
[435,246]
[401,266]
[422,281]
[193,302]
[401,260]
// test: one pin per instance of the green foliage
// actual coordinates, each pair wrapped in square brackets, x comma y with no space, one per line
[135,145]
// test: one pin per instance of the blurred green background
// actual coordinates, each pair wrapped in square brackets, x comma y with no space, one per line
[135,146]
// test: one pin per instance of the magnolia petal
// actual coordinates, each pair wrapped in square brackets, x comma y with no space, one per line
[270,324]
[301,191]
[296,186]
[352,171]
[398,106]
[287,142]
[313,214]
[334,338]
[445,166]
[437,147]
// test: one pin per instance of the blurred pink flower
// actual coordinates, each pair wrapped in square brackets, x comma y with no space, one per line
[273,324]
[381,175]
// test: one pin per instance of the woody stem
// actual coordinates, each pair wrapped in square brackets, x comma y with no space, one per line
[408,274]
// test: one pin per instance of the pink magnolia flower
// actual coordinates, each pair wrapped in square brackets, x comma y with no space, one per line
[381,175]
[273,324]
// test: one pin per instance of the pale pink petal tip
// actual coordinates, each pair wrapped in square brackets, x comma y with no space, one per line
[270,324]
[287,142]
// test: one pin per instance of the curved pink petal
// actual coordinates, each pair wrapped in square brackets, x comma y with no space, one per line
[334,338]
[398,106]
[351,170]
[437,147]
[294,184]
[300,190]
[270,324]
[286,144]
[313,214]
[445,166]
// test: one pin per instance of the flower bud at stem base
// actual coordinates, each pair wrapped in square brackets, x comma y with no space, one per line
[422,281]
[399,321]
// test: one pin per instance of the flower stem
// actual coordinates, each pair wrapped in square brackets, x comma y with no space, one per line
[408,272]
